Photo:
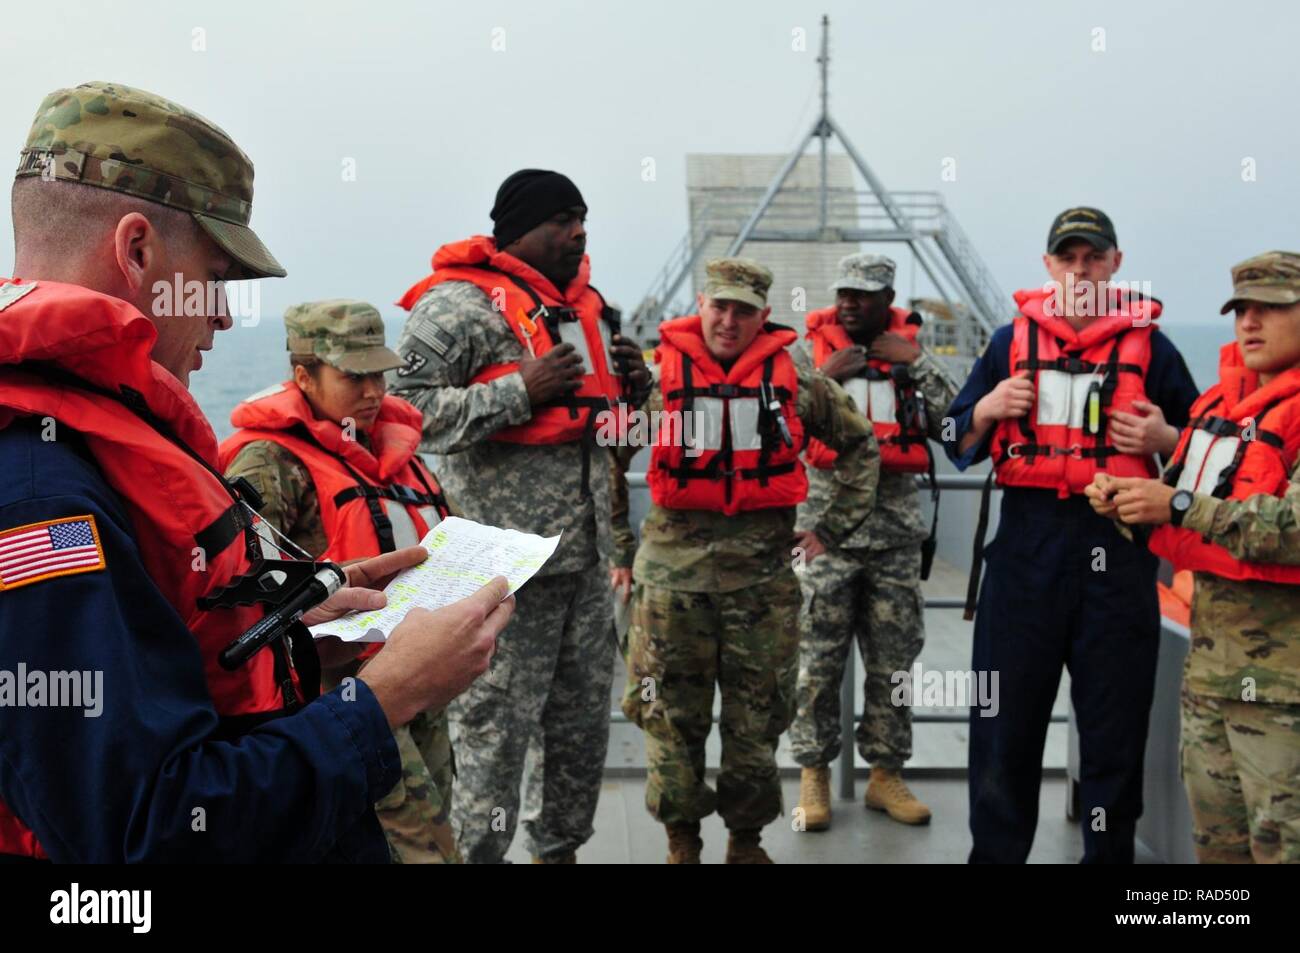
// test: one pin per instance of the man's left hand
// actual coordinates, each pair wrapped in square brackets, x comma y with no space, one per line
[627,354]
[893,347]
[1144,432]
[809,544]
[366,579]
[1141,502]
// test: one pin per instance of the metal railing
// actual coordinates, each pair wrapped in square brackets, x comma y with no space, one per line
[919,219]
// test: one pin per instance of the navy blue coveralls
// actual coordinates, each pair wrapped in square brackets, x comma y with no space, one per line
[128,785]
[1042,606]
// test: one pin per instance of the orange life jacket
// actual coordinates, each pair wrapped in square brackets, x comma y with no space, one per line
[1243,440]
[1080,378]
[541,317]
[889,398]
[83,358]
[372,500]
[738,460]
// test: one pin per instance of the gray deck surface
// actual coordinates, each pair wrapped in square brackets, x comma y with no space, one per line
[626,834]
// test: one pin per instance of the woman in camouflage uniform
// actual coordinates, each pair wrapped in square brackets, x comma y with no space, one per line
[335,417]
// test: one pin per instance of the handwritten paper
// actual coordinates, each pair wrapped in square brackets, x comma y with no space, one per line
[463,557]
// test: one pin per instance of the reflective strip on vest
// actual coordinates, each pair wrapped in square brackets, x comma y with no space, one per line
[430,515]
[744,423]
[1207,457]
[404,533]
[571,333]
[1063,397]
[876,399]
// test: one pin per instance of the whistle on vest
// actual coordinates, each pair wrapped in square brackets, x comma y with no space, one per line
[529,327]
[911,410]
[768,399]
[914,415]
[1092,410]
[613,320]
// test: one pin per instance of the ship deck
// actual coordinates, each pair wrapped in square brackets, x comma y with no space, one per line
[626,833]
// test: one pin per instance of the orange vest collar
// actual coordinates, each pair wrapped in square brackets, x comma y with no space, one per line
[687,335]
[107,342]
[480,251]
[1139,312]
[394,437]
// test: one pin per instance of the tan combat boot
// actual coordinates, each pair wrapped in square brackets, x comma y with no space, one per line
[684,843]
[886,791]
[815,797]
[743,848]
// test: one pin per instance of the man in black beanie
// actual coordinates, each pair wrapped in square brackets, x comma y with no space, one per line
[511,354]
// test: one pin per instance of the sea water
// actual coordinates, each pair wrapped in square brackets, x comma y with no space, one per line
[245,360]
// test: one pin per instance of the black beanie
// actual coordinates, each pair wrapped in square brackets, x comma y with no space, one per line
[529,197]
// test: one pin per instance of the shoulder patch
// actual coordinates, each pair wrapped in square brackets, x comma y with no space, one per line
[40,551]
[414,361]
[11,293]
[439,341]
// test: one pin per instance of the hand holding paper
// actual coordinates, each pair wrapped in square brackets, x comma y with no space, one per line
[463,557]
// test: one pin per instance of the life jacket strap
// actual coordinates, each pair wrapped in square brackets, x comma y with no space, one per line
[1071,364]
[977,555]
[398,493]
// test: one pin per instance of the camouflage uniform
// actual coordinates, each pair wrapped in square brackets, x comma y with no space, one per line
[1241,689]
[715,601]
[550,676]
[868,591]
[350,336]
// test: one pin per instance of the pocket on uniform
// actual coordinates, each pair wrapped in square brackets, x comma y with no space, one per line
[784,699]
[642,700]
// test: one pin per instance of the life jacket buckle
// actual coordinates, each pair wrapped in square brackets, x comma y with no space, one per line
[1220,426]
[1013,451]
[248,493]
[1075,452]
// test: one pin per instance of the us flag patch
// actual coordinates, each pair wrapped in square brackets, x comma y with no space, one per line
[51,548]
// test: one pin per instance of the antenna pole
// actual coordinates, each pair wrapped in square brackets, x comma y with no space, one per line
[823,125]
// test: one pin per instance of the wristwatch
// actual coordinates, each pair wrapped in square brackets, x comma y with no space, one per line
[1179,504]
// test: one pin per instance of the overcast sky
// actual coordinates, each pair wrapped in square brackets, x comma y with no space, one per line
[1156,129]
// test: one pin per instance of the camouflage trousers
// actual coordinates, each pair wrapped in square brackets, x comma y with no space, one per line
[873,598]
[548,685]
[414,814]
[1241,766]
[680,644]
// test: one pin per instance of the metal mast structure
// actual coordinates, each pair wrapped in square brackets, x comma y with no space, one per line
[967,296]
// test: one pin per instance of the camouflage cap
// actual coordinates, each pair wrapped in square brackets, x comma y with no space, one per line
[1273,278]
[865,273]
[343,333]
[114,137]
[737,279]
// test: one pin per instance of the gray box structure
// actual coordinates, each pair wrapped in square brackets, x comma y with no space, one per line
[722,191]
